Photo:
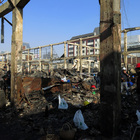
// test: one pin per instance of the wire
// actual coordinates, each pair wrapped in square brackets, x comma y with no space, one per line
[123,5]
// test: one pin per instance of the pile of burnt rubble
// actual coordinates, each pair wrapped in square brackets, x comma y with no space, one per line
[39,117]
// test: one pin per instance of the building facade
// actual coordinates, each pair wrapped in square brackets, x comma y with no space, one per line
[90,39]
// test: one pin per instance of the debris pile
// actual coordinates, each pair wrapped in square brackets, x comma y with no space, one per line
[38,117]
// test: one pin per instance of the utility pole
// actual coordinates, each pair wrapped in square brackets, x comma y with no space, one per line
[110,66]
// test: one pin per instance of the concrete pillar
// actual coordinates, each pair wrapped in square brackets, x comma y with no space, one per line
[17,36]
[125,49]
[110,66]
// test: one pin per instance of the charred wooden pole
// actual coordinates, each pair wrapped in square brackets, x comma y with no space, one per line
[110,64]
[2,30]
[16,6]
[17,35]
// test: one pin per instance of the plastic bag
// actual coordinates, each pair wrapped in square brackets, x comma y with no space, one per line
[64,79]
[79,120]
[138,115]
[62,103]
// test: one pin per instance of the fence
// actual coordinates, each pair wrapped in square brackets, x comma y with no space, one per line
[46,58]
[55,56]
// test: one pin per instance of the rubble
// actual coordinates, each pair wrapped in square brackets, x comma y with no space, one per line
[38,117]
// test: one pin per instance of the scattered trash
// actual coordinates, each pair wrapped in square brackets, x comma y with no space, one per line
[79,120]
[63,79]
[93,86]
[94,92]
[62,103]
[86,103]
[138,115]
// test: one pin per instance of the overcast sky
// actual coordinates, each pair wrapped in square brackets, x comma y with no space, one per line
[53,21]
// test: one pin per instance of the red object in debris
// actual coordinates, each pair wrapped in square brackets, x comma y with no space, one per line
[138,65]
[93,86]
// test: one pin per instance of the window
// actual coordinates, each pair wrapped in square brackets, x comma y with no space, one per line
[71,48]
[70,52]
[90,40]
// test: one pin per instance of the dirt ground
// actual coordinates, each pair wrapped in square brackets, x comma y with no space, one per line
[41,119]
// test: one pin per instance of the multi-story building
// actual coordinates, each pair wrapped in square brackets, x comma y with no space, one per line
[90,39]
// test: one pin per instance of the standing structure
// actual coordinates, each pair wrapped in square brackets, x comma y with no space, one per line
[110,64]
[16,6]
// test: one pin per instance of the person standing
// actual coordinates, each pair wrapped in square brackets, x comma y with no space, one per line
[124,80]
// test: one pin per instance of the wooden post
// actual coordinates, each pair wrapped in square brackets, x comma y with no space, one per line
[89,63]
[2,30]
[78,50]
[51,61]
[7,62]
[40,51]
[131,60]
[80,55]
[17,35]
[65,55]
[28,60]
[125,49]
[21,61]
[110,66]
[136,59]
[2,62]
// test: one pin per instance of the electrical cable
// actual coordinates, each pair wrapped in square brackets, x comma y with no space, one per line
[125,13]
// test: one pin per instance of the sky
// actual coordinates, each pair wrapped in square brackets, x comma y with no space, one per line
[53,21]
